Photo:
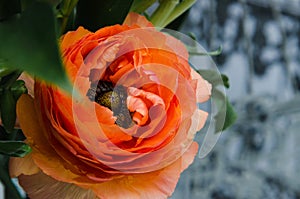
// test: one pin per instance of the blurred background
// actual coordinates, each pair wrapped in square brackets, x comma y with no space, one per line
[259,157]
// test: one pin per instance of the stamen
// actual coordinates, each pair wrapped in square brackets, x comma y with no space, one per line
[115,99]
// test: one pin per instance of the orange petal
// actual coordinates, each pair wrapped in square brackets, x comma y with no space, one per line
[43,154]
[39,186]
[137,103]
[139,108]
[136,19]
[154,99]
[72,37]
[201,116]
[188,157]
[157,184]
[203,88]
[25,165]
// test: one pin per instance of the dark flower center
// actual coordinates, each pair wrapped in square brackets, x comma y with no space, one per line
[114,98]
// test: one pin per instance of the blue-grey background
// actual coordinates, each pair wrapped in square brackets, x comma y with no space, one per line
[259,157]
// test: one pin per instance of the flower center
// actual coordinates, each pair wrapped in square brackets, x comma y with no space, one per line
[114,98]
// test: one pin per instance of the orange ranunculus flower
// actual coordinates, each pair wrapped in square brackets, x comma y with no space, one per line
[128,129]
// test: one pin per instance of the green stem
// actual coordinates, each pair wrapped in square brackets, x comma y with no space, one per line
[6,180]
[65,12]
[140,6]
[163,11]
[179,10]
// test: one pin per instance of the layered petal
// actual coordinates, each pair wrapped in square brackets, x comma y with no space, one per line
[72,37]
[25,165]
[202,87]
[44,155]
[40,185]
[158,184]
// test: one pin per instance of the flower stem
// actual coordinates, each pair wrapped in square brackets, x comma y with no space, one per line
[178,10]
[65,12]
[140,6]
[163,12]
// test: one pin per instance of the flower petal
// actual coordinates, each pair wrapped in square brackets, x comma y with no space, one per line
[157,184]
[71,37]
[203,88]
[201,116]
[25,165]
[39,186]
[136,19]
[44,155]
[137,102]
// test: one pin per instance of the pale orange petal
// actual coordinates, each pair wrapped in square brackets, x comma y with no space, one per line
[136,102]
[203,88]
[154,99]
[41,186]
[72,37]
[25,165]
[201,116]
[136,19]
[188,157]
[158,184]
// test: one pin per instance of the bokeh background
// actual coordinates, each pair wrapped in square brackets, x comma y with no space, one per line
[259,157]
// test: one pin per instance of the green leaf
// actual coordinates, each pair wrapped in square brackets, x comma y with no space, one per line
[52,2]
[194,52]
[14,148]
[9,79]
[10,188]
[214,77]
[4,71]
[9,8]
[11,89]
[26,3]
[95,14]
[8,110]
[18,88]
[231,115]
[178,22]
[15,135]
[28,42]
[225,80]
[192,36]
[225,115]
